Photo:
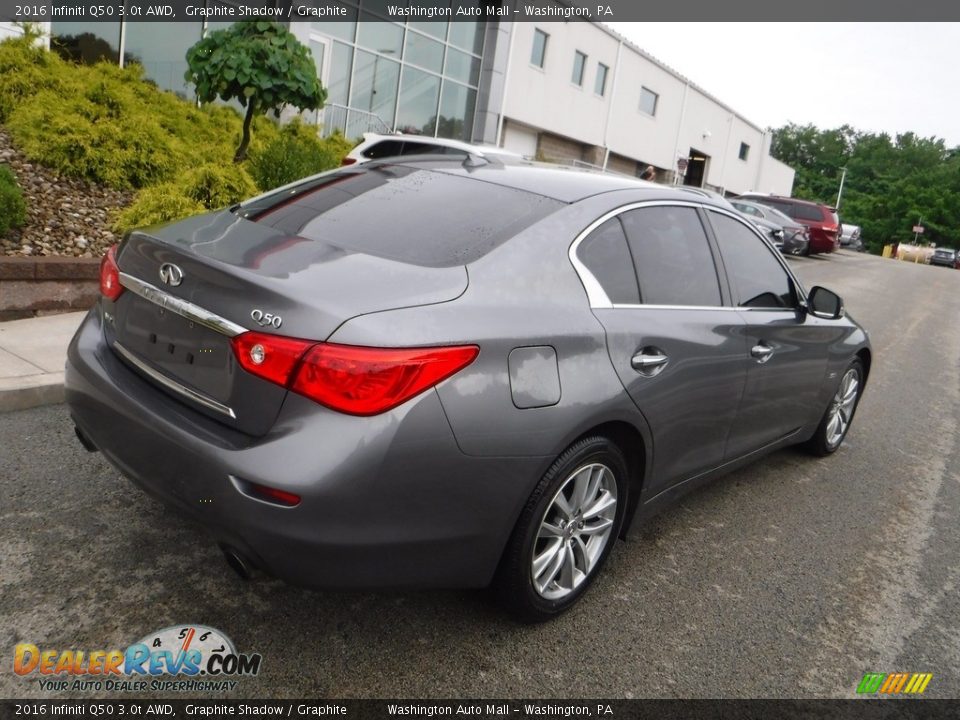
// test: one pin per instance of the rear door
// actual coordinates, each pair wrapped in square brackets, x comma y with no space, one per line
[675,347]
[787,349]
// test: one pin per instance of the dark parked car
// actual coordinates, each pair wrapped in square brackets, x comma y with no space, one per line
[793,238]
[947,257]
[822,221]
[446,373]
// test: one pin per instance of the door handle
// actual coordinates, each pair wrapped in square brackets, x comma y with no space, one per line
[761,352]
[649,361]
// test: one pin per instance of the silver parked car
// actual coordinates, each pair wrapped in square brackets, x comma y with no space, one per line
[453,372]
[793,238]
[945,257]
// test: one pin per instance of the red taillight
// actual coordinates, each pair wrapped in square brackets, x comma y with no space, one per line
[347,161]
[110,286]
[272,357]
[349,379]
[368,381]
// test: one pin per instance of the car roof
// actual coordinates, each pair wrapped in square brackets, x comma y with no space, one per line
[558,182]
[760,197]
[443,142]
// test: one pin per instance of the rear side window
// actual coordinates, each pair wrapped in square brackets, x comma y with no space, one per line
[785,207]
[403,213]
[672,257]
[808,212]
[386,148]
[606,256]
[759,281]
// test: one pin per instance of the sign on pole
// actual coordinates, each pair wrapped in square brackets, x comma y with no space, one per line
[918,229]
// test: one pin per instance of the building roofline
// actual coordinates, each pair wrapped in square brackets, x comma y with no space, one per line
[679,76]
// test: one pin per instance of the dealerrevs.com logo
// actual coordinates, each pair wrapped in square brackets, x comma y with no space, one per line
[157,662]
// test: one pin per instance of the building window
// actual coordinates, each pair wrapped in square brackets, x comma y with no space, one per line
[600,87]
[579,65]
[648,101]
[539,53]
[744,151]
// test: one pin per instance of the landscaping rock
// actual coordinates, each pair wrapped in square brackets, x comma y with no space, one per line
[65,216]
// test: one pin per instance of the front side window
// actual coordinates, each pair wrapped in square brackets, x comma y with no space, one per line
[758,279]
[539,52]
[605,254]
[672,257]
[648,101]
[579,65]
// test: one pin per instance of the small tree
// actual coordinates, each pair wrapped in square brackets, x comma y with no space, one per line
[261,64]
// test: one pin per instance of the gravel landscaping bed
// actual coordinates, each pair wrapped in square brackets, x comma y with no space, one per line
[64,216]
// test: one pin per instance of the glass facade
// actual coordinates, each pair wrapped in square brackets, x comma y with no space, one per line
[87,42]
[417,76]
[161,49]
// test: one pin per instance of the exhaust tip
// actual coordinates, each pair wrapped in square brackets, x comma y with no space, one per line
[85,441]
[238,562]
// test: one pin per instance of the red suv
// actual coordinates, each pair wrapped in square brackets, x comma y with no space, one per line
[823,222]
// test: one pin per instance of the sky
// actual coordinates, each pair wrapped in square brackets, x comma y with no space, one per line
[890,77]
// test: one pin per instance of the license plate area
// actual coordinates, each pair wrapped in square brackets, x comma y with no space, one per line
[181,349]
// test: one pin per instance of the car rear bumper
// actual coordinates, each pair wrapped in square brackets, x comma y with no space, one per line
[387,501]
[945,262]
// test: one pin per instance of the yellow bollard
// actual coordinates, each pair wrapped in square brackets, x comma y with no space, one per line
[887,251]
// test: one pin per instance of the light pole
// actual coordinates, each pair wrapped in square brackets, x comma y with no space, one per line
[840,193]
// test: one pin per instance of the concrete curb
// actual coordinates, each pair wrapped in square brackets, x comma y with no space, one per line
[32,355]
[33,391]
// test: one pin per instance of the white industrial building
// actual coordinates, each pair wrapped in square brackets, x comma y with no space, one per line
[574,92]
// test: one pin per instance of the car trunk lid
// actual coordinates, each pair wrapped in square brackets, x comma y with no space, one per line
[192,285]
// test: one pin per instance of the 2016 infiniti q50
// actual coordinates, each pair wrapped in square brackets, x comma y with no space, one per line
[440,372]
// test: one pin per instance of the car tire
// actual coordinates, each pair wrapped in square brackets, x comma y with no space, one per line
[829,436]
[562,539]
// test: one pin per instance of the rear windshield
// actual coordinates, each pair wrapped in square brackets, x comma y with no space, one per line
[402,213]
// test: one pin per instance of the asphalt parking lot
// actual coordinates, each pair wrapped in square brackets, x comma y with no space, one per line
[791,578]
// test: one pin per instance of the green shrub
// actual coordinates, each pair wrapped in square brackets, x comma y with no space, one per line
[13,210]
[26,69]
[208,187]
[296,153]
[155,205]
[106,124]
[216,186]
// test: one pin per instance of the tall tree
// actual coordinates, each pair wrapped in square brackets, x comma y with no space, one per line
[259,63]
[890,182]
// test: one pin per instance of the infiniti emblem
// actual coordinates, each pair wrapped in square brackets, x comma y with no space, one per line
[171,274]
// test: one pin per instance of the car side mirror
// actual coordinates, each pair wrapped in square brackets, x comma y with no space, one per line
[824,303]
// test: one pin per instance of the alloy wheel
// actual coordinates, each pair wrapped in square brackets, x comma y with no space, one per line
[574,531]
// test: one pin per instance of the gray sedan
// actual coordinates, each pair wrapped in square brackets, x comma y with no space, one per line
[450,372]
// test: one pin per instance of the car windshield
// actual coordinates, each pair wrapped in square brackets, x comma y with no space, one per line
[400,212]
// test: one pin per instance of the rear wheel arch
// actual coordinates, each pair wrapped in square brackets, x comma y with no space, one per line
[865,357]
[631,443]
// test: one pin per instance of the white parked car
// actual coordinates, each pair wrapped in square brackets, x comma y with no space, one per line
[376,146]
[850,236]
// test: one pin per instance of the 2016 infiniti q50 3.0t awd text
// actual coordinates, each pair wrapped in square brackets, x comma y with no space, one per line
[453,373]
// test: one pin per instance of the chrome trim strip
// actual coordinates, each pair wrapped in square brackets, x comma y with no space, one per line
[173,385]
[633,306]
[183,308]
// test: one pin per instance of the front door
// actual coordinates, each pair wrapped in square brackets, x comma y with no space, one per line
[786,358]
